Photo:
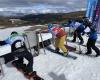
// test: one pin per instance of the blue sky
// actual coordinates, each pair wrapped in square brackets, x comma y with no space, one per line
[43,5]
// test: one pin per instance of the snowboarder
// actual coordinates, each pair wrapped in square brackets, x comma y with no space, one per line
[79,30]
[20,52]
[92,39]
[59,35]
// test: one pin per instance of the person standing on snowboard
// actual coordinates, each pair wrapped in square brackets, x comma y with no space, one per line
[79,30]
[20,52]
[92,39]
[60,36]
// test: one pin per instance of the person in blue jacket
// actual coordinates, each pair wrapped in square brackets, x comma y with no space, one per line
[92,39]
[78,33]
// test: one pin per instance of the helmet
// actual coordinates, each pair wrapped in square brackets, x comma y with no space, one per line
[14,32]
[70,21]
[85,19]
[50,25]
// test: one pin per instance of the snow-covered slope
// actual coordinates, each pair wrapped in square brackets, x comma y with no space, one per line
[4,33]
[52,66]
[55,67]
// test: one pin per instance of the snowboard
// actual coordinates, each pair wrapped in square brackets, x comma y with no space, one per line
[83,54]
[77,43]
[21,67]
[70,48]
[61,54]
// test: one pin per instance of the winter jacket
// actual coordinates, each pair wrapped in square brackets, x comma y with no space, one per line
[93,35]
[18,49]
[72,24]
[10,40]
[58,32]
[80,28]
[16,42]
[93,31]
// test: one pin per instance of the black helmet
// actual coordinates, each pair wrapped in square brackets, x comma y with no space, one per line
[14,32]
[85,19]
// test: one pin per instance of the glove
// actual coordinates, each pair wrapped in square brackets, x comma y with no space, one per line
[83,33]
[87,34]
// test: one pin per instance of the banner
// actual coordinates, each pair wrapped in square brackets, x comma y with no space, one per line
[88,8]
[93,12]
[98,15]
[99,24]
[91,6]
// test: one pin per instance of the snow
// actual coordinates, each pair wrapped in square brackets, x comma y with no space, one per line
[45,36]
[6,32]
[5,49]
[51,66]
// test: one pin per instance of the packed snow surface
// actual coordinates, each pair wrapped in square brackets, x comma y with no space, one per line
[51,66]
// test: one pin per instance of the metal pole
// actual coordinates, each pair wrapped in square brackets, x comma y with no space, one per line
[38,46]
[42,42]
[80,51]
[28,44]
[2,62]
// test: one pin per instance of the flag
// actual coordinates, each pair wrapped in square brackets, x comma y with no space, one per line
[98,15]
[91,4]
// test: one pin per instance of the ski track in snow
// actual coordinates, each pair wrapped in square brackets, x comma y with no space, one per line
[51,66]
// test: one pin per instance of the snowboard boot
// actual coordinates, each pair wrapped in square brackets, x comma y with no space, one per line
[65,53]
[81,42]
[28,75]
[28,72]
[97,55]
[87,53]
[57,50]
[33,75]
[73,40]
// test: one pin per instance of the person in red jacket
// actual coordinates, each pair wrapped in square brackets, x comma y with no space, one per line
[59,34]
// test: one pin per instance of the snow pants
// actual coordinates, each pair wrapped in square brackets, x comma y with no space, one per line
[28,56]
[77,34]
[59,43]
[20,55]
[91,44]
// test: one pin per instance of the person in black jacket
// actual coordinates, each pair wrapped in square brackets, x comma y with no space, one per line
[19,51]
[78,33]
[80,26]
